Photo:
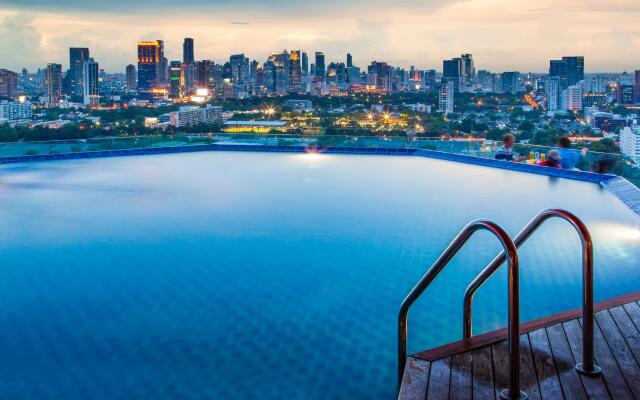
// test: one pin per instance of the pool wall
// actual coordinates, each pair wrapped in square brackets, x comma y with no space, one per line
[620,187]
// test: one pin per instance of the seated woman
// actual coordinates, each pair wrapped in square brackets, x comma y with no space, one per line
[552,160]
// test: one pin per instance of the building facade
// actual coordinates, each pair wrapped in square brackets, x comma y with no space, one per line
[8,84]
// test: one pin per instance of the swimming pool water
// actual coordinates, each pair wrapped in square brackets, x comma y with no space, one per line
[222,275]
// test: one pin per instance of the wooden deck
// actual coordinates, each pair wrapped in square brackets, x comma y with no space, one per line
[478,369]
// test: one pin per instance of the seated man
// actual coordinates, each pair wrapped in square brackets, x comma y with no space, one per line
[552,160]
[505,152]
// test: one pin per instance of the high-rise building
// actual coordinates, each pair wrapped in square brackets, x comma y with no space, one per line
[90,75]
[625,94]
[15,110]
[8,84]
[77,58]
[349,60]
[468,69]
[575,69]
[446,97]
[320,66]
[553,92]
[572,98]
[452,71]
[630,142]
[130,74]
[305,63]
[187,51]
[176,80]
[162,66]
[53,80]
[295,72]
[509,82]
[148,65]
[379,76]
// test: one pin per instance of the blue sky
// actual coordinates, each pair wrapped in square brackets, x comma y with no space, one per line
[502,34]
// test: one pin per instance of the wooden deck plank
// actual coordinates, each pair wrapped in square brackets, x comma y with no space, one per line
[439,378]
[528,380]
[595,386]
[628,329]
[461,377]
[545,367]
[613,378]
[570,382]
[482,381]
[415,380]
[621,352]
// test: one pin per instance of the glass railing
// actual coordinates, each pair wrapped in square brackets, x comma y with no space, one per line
[591,161]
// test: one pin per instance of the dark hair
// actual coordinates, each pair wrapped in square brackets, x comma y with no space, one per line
[564,142]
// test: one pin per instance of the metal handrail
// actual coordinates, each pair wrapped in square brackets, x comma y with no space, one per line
[588,366]
[511,252]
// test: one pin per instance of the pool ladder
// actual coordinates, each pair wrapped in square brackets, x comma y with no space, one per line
[510,255]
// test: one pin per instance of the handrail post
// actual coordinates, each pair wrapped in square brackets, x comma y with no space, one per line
[511,254]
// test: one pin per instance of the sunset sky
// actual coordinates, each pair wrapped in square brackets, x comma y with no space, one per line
[502,35]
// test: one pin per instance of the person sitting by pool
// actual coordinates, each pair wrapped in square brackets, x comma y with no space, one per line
[505,152]
[552,160]
[569,157]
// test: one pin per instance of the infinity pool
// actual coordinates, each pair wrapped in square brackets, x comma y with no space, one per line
[229,275]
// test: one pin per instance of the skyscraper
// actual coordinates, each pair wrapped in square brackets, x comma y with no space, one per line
[320,66]
[349,61]
[636,87]
[467,70]
[553,88]
[90,73]
[295,72]
[130,74]
[77,57]
[54,84]
[509,82]
[379,75]
[176,80]
[148,61]
[575,69]
[452,71]
[305,63]
[8,84]
[446,97]
[187,51]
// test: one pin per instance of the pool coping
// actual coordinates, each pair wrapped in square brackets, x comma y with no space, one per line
[618,186]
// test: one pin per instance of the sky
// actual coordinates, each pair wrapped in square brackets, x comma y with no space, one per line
[503,35]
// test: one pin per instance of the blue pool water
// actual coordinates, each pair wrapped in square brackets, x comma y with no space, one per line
[269,276]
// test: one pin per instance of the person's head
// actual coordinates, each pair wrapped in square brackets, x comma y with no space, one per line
[564,142]
[508,140]
[553,155]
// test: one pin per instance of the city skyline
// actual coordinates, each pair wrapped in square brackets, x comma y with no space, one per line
[35,33]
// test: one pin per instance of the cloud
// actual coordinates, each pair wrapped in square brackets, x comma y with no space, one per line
[239,23]
[20,42]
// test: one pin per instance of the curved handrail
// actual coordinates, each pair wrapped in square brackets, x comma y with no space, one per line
[511,254]
[587,367]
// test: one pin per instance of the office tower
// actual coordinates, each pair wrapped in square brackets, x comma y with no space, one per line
[305,64]
[354,76]
[53,79]
[320,66]
[349,60]
[130,74]
[429,79]
[176,80]
[572,98]
[187,51]
[487,81]
[77,58]
[379,76]
[295,72]
[509,82]
[239,68]
[90,72]
[446,97]
[148,61]
[553,88]
[467,70]
[8,84]
[574,69]
[452,71]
